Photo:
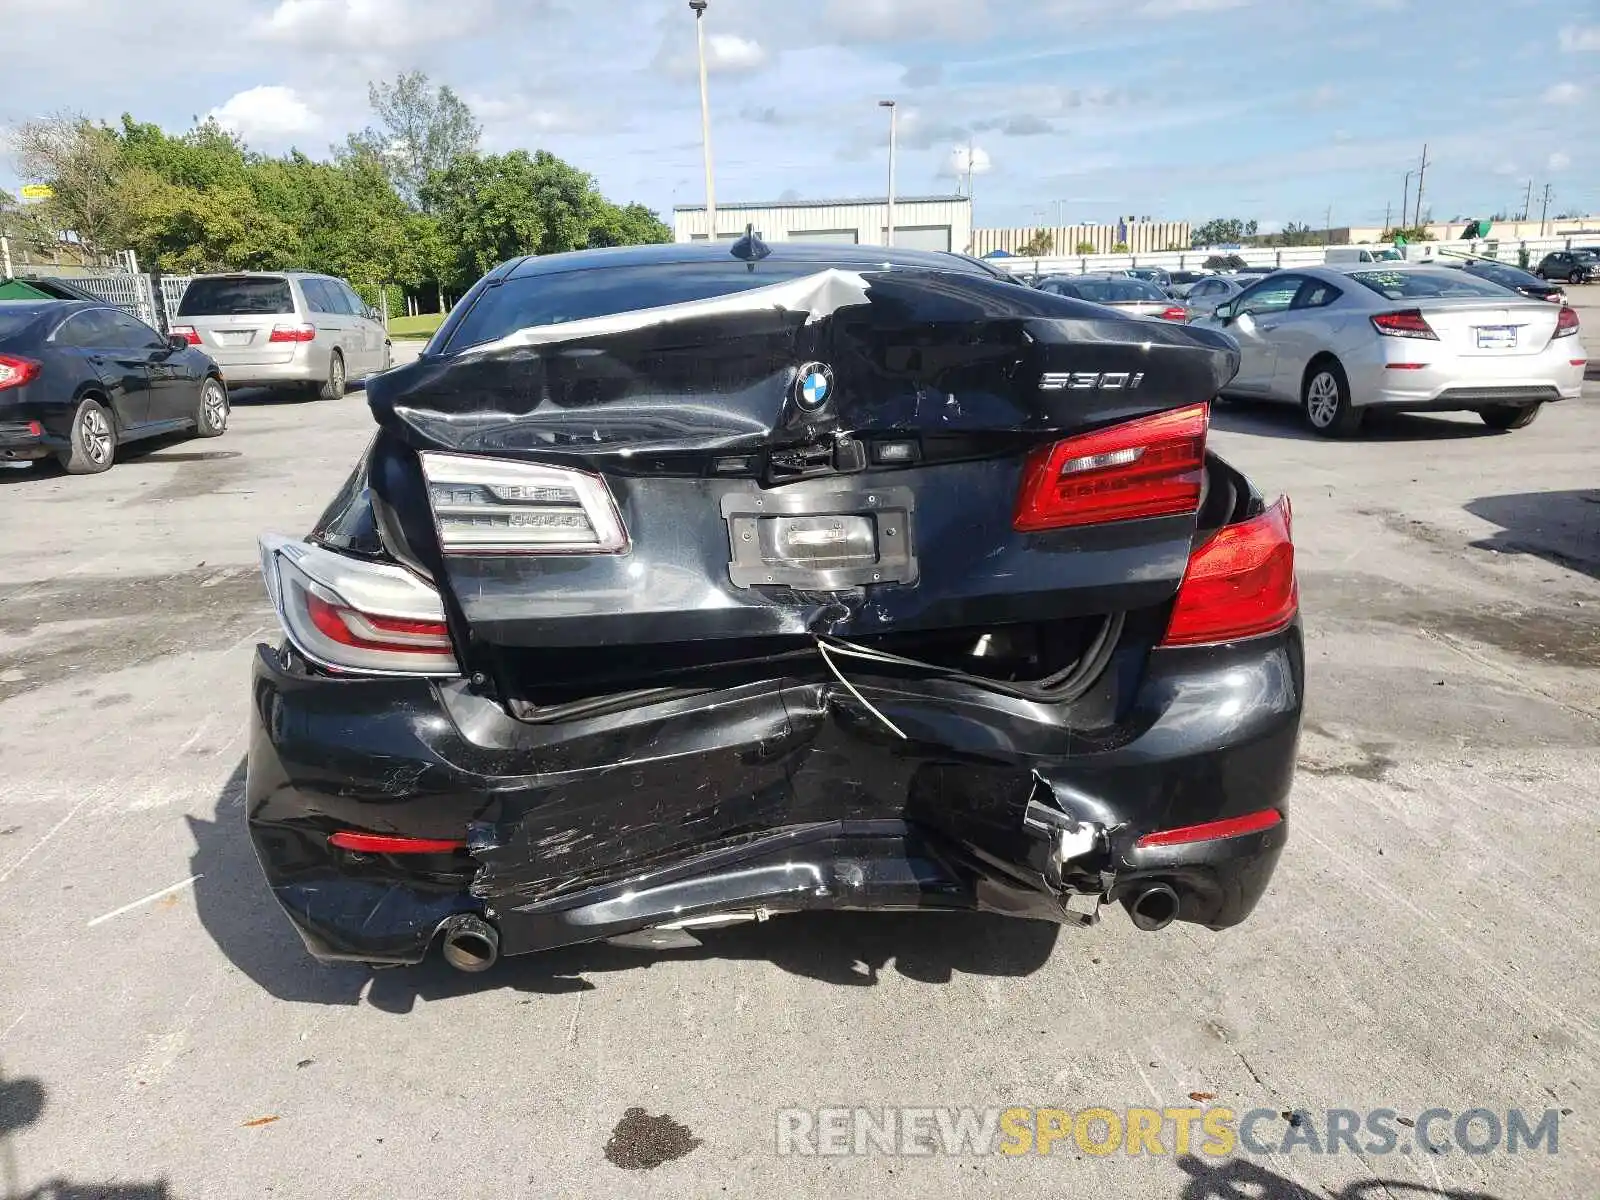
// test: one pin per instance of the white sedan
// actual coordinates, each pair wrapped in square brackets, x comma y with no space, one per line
[1339,341]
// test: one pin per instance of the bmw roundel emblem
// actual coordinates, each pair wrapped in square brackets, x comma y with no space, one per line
[813,385]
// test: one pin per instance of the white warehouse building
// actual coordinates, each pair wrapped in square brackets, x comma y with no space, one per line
[920,222]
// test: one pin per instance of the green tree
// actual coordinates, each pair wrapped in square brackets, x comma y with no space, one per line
[632,225]
[82,162]
[419,131]
[1040,244]
[1411,233]
[1222,231]
[1084,248]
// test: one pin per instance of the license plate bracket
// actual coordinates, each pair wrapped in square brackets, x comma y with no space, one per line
[820,537]
[1496,337]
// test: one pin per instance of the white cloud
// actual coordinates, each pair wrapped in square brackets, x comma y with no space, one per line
[1575,38]
[270,112]
[956,164]
[1563,93]
[1161,8]
[730,52]
[363,26]
[1559,161]
[892,20]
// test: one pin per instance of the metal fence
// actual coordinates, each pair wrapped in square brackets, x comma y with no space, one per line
[1507,250]
[172,289]
[133,294]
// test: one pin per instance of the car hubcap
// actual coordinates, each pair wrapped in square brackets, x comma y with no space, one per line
[1322,400]
[216,407]
[96,436]
[338,377]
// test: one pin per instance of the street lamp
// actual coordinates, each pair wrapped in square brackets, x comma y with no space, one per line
[699,7]
[889,104]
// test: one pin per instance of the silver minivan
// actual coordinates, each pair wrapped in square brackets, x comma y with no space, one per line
[284,329]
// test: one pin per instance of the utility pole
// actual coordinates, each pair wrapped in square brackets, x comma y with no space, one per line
[1388,207]
[1327,227]
[889,104]
[1421,171]
[1405,199]
[969,171]
[699,7]
[1545,211]
[1527,200]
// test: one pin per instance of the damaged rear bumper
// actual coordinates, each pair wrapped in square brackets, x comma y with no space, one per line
[779,797]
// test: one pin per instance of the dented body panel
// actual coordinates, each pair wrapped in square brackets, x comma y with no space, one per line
[809,660]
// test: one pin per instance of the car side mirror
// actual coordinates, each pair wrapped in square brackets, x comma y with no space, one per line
[373,315]
[1223,312]
[176,341]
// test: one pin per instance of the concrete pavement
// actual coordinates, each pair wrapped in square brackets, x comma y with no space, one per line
[1430,939]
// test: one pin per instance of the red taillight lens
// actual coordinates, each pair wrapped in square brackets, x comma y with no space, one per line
[1408,323]
[365,631]
[292,333]
[381,843]
[1174,313]
[1213,831]
[187,333]
[1239,584]
[1150,467]
[14,371]
[1566,322]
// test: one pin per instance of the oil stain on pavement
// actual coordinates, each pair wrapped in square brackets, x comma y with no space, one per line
[641,1142]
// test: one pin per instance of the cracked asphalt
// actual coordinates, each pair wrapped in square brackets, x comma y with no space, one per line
[1430,938]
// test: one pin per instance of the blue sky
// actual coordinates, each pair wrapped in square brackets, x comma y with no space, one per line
[1180,109]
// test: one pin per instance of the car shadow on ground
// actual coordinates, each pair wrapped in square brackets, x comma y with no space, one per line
[848,949]
[1560,527]
[1266,419]
[262,397]
[22,1101]
[1244,1179]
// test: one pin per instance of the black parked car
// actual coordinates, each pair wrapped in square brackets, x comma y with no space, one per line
[844,578]
[78,379]
[1573,266]
[1516,279]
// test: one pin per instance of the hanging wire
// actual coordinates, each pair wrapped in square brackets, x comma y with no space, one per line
[822,648]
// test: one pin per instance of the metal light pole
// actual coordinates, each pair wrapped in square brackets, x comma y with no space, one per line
[1405,199]
[699,7]
[889,104]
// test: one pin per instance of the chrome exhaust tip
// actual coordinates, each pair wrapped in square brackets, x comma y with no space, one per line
[470,943]
[1152,908]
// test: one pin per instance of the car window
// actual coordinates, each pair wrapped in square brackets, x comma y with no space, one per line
[1117,291]
[354,304]
[90,327]
[1271,295]
[133,334]
[235,296]
[1316,293]
[15,322]
[1427,284]
[320,297]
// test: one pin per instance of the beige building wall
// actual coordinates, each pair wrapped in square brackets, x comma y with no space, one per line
[924,221]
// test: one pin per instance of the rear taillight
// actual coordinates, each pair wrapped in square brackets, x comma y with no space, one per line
[1174,313]
[1239,584]
[1407,323]
[187,332]
[1150,467]
[1566,322]
[293,333]
[14,371]
[494,506]
[356,616]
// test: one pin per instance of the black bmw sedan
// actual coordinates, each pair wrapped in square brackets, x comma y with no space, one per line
[78,379]
[682,586]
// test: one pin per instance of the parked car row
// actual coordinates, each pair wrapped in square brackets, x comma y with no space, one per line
[1342,339]
[79,378]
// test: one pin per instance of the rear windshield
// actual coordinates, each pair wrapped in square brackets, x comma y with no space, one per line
[16,322]
[1427,285]
[1509,276]
[1113,291]
[236,296]
[520,303]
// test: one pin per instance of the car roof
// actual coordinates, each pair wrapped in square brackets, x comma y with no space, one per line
[42,307]
[682,253]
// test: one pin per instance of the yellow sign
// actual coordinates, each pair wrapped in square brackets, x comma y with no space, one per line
[37,191]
